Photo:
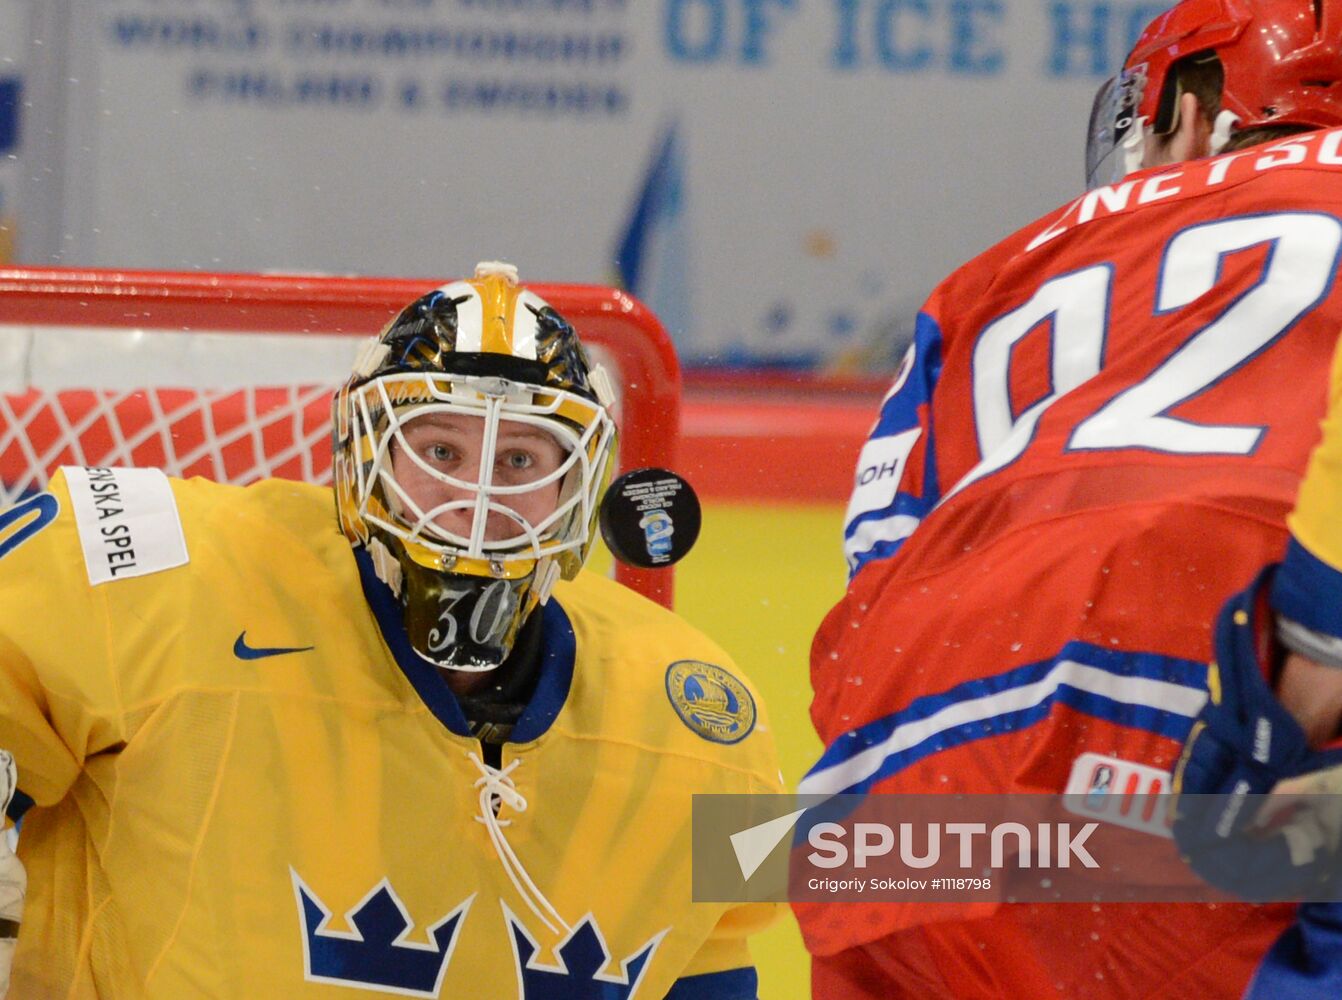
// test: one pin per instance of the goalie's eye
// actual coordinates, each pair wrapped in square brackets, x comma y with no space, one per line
[517,460]
[441,445]
[526,455]
[441,454]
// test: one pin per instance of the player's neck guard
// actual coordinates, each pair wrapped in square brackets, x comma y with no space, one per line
[461,622]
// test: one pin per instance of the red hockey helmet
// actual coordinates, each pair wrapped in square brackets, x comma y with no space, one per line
[1282,59]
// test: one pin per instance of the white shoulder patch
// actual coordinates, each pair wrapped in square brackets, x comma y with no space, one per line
[128,522]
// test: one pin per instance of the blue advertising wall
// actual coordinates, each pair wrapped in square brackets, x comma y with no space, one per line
[783,181]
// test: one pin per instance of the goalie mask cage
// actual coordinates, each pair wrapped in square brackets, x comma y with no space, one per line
[230,376]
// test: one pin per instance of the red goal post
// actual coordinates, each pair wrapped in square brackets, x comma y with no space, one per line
[229,376]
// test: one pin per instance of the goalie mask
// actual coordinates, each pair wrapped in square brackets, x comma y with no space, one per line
[472,445]
[1281,61]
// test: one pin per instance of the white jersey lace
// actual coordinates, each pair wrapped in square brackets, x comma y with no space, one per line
[497,789]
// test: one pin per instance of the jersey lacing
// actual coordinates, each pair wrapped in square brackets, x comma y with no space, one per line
[498,789]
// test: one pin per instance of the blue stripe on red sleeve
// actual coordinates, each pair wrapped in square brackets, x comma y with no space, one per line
[989,721]
[904,411]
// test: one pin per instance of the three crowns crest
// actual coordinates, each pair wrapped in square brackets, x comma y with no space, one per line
[377,953]
[582,955]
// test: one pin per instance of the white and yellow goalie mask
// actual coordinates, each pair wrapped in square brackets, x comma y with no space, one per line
[472,446]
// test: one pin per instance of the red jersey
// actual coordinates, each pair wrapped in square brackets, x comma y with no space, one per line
[1093,441]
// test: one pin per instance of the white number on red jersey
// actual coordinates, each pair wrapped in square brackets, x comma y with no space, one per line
[1301,260]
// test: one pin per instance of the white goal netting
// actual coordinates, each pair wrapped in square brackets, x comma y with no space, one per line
[227,406]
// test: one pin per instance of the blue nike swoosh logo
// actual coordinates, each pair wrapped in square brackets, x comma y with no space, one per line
[245,652]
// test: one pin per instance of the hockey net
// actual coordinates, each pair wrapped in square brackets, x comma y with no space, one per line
[230,376]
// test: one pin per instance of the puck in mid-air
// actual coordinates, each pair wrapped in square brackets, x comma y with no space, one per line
[650,518]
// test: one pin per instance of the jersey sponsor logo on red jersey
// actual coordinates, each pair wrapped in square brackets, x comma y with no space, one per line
[1122,792]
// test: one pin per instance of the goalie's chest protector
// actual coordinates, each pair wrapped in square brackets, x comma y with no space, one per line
[289,811]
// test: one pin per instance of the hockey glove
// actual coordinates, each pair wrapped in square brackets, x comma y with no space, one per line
[1241,746]
[13,879]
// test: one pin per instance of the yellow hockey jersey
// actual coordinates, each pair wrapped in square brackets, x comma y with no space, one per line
[246,785]
[1308,584]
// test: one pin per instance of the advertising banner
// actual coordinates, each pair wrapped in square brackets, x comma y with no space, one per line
[13,39]
[782,181]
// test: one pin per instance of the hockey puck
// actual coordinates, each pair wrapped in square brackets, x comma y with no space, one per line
[650,518]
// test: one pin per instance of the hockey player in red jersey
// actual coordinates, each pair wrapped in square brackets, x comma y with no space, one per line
[1092,442]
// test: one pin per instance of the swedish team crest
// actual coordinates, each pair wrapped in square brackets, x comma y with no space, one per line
[375,954]
[710,701]
[582,955]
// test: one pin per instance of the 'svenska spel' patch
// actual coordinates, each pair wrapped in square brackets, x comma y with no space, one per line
[128,522]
